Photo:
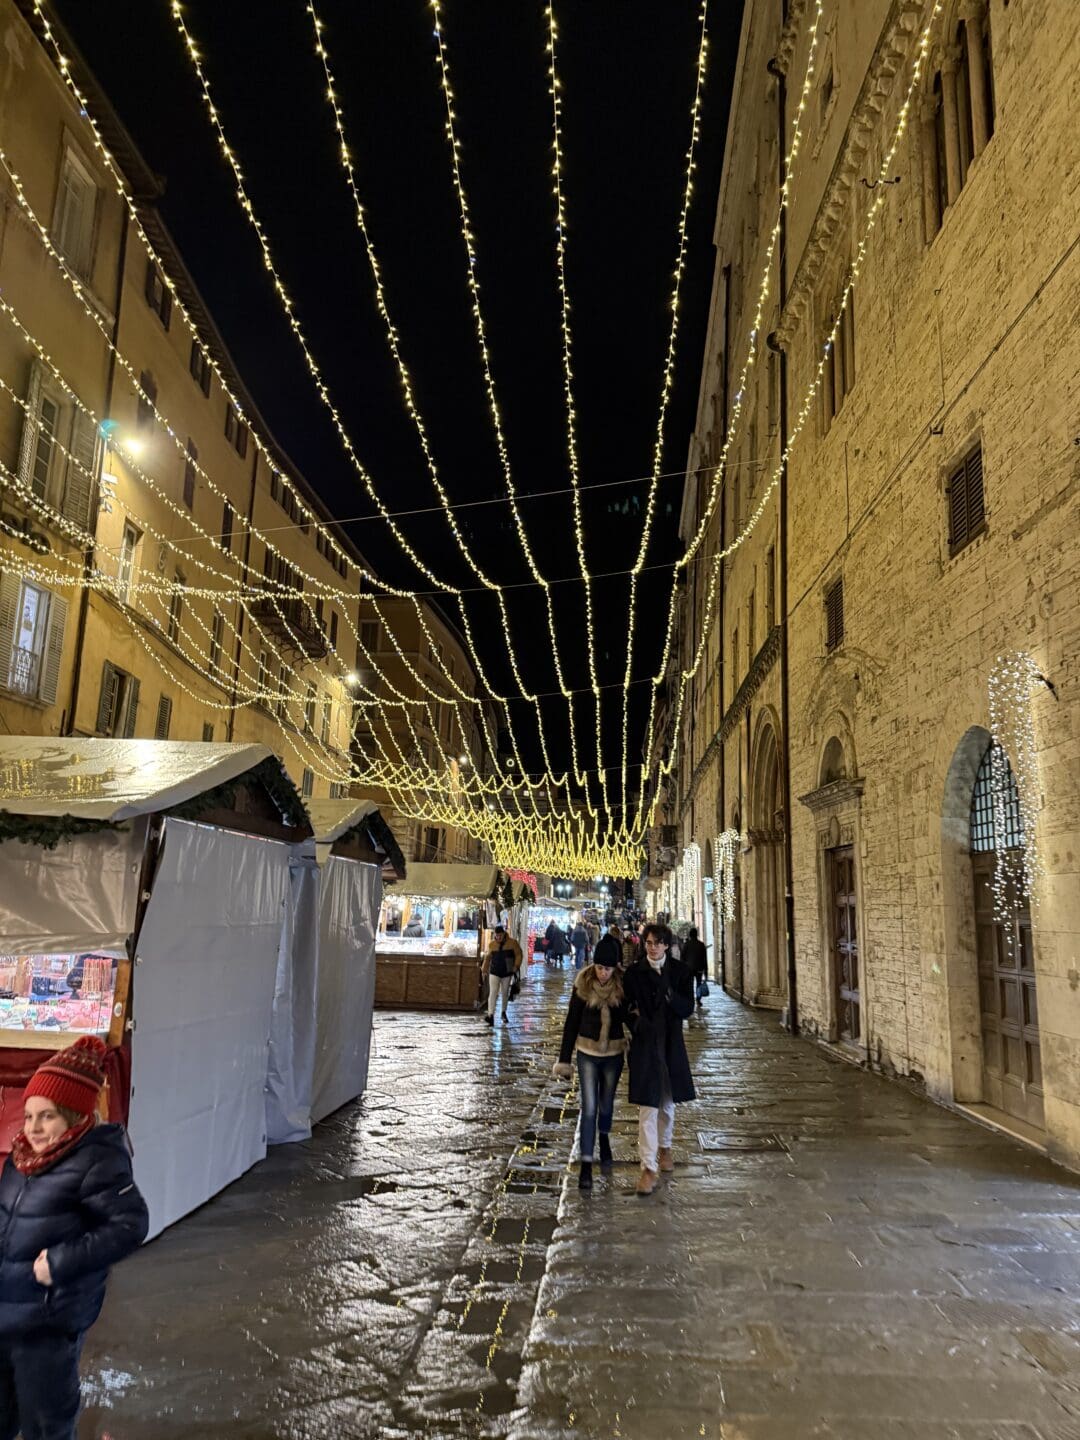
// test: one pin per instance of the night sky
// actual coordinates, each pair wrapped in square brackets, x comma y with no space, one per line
[627,71]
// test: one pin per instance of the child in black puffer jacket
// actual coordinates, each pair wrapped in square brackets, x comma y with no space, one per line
[69,1209]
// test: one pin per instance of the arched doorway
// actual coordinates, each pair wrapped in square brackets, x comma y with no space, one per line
[768,837]
[1008,1004]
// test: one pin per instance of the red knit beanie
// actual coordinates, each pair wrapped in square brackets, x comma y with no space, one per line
[73,1077]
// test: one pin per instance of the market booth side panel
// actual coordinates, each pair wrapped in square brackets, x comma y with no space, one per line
[349,909]
[206,964]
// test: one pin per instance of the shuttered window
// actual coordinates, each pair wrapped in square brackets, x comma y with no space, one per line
[147,400]
[80,482]
[118,703]
[226,526]
[966,501]
[190,462]
[207,733]
[158,296]
[834,614]
[76,209]
[307,785]
[164,718]
[32,624]
[199,366]
[217,630]
[176,607]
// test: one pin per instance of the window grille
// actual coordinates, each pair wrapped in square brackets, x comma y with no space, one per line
[982,807]
[834,614]
[967,502]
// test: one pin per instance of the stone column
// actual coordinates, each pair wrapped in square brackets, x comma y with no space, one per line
[972,13]
[930,179]
[953,174]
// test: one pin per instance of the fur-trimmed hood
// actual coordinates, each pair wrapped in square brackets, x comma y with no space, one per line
[588,988]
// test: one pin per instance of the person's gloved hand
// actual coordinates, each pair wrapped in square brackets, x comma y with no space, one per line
[561,1069]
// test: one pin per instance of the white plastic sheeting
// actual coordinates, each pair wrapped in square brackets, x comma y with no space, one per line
[113,779]
[348,913]
[451,881]
[292,1032]
[82,895]
[202,998]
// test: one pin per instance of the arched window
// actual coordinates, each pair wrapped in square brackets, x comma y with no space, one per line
[982,807]
[958,116]
[832,762]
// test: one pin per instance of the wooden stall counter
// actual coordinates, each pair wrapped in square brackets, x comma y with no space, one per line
[408,980]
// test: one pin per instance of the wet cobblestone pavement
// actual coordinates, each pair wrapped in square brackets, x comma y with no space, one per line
[833,1257]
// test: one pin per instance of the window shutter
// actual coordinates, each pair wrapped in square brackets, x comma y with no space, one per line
[834,615]
[82,470]
[31,425]
[110,683]
[131,709]
[958,526]
[166,305]
[164,718]
[150,289]
[54,649]
[973,484]
[10,589]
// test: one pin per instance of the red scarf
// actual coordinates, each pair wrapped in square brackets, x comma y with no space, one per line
[29,1163]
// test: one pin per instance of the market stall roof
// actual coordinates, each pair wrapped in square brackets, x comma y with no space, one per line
[111,780]
[453,881]
[334,820]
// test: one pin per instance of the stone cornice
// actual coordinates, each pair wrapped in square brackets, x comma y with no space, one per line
[763,662]
[789,35]
[890,58]
[836,795]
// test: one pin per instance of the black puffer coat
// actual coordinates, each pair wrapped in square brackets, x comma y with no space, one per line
[658,1001]
[87,1213]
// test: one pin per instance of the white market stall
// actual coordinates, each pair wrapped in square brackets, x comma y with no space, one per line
[321,1034]
[432,935]
[160,870]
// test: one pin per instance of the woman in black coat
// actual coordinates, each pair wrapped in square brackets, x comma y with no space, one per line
[659,996]
[594,1032]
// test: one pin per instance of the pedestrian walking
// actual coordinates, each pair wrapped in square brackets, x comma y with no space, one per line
[579,939]
[557,944]
[594,1032]
[695,956]
[501,964]
[69,1209]
[658,993]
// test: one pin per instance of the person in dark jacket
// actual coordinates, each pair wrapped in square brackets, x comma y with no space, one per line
[557,943]
[695,955]
[659,993]
[69,1209]
[594,1030]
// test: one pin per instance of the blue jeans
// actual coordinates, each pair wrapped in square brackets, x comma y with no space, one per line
[598,1079]
[579,956]
[39,1387]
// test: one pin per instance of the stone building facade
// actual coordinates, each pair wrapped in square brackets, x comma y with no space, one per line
[132,454]
[925,368]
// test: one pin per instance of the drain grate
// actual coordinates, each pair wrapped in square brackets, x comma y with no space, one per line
[719,1141]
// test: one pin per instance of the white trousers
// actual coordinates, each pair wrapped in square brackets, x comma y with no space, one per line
[656,1126]
[497,984]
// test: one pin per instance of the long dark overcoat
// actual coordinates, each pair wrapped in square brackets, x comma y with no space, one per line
[658,1002]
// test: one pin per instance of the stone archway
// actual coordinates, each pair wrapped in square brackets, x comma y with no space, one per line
[767,836]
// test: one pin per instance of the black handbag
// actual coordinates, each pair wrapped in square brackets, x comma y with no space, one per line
[515,987]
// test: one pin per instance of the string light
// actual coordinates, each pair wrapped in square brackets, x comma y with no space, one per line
[1014,773]
[725,849]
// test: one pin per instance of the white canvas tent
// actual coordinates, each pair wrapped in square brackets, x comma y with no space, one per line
[205,942]
[321,1037]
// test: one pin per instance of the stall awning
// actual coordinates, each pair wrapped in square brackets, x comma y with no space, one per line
[114,779]
[335,820]
[452,881]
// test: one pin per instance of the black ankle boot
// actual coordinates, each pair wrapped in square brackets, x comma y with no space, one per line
[605,1152]
[584,1179]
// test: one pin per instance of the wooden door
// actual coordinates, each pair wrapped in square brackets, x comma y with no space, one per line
[845,958]
[1012,1059]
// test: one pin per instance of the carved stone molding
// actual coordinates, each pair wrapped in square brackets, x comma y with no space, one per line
[836,795]
[890,58]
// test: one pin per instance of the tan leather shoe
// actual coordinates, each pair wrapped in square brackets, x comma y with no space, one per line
[667,1160]
[647,1182]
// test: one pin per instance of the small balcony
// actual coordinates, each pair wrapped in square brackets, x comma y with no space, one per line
[291,622]
[24,672]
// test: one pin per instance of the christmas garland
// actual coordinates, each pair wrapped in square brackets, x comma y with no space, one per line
[48,830]
[269,774]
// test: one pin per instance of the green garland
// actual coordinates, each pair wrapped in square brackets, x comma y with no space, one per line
[48,830]
[270,774]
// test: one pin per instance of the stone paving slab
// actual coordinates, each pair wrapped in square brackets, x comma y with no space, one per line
[425,1267]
